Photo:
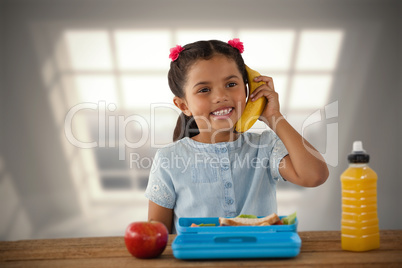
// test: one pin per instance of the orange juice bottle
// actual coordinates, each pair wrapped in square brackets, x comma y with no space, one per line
[360,231]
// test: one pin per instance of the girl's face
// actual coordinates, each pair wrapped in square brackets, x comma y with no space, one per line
[215,95]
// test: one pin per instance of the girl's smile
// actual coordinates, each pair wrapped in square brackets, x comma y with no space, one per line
[222,113]
[215,95]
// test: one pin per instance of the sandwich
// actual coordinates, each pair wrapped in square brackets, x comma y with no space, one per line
[238,221]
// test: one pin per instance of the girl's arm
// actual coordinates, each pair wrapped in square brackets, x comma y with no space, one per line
[304,165]
[162,214]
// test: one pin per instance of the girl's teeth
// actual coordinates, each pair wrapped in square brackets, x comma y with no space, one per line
[222,112]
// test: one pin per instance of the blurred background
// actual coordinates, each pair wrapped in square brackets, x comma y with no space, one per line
[85,101]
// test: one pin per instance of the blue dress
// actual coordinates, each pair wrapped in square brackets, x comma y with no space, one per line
[218,180]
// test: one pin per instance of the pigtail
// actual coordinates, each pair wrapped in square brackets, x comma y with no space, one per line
[185,127]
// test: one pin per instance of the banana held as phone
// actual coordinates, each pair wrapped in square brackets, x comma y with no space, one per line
[253,109]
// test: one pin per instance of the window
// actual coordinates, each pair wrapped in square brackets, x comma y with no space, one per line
[113,83]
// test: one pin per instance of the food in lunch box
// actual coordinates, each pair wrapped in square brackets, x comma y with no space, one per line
[240,221]
[247,220]
[202,224]
[289,220]
[247,216]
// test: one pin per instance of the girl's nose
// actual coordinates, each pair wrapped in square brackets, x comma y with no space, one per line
[220,95]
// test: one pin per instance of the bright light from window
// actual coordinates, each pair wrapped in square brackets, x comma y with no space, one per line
[188,36]
[310,91]
[280,84]
[130,66]
[95,88]
[269,49]
[319,50]
[88,50]
[143,49]
[140,91]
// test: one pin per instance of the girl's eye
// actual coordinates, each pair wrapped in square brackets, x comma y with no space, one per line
[203,90]
[231,84]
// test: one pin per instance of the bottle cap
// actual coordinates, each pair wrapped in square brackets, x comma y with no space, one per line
[358,154]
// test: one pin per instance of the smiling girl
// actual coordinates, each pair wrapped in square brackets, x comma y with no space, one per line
[211,171]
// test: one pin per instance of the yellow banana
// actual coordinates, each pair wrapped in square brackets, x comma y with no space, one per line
[253,109]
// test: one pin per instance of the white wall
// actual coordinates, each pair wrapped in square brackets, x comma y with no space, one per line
[38,182]
[399,131]
[373,114]
[2,74]
[2,64]
[367,87]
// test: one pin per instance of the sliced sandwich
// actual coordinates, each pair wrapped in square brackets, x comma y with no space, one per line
[268,220]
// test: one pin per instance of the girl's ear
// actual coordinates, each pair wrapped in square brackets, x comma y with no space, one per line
[182,105]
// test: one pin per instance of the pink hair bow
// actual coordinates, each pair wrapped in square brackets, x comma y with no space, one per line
[236,43]
[175,51]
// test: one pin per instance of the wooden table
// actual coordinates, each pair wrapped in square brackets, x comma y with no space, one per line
[320,248]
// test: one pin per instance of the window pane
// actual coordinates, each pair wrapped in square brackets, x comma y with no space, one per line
[310,91]
[319,50]
[140,91]
[188,36]
[142,49]
[280,84]
[88,50]
[95,88]
[270,49]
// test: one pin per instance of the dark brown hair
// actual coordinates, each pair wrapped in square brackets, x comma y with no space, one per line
[177,76]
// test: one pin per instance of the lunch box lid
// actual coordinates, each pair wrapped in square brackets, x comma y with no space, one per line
[237,245]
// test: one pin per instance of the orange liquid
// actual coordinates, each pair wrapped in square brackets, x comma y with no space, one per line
[360,231]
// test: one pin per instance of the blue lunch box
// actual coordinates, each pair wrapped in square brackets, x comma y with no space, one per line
[233,242]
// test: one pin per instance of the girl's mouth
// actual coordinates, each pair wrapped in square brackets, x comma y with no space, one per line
[225,112]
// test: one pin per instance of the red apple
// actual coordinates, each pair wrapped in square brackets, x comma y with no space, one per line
[146,239]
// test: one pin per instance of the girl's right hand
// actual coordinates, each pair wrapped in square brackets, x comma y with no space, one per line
[272,109]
